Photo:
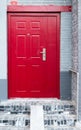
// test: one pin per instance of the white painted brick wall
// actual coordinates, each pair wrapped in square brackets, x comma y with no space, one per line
[74,49]
[66,41]
[3,40]
[76,42]
[34,2]
[79,57]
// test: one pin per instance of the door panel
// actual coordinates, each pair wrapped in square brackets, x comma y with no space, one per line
[33,55]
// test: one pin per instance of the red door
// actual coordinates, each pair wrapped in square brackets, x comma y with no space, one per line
[33,60]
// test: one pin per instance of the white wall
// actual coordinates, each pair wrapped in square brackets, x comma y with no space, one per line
[44,2]
[66,41]
[3,40]
[65,55]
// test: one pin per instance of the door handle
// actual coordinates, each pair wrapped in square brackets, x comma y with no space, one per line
[43,52]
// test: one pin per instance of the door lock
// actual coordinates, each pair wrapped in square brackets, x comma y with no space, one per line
[43,52]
